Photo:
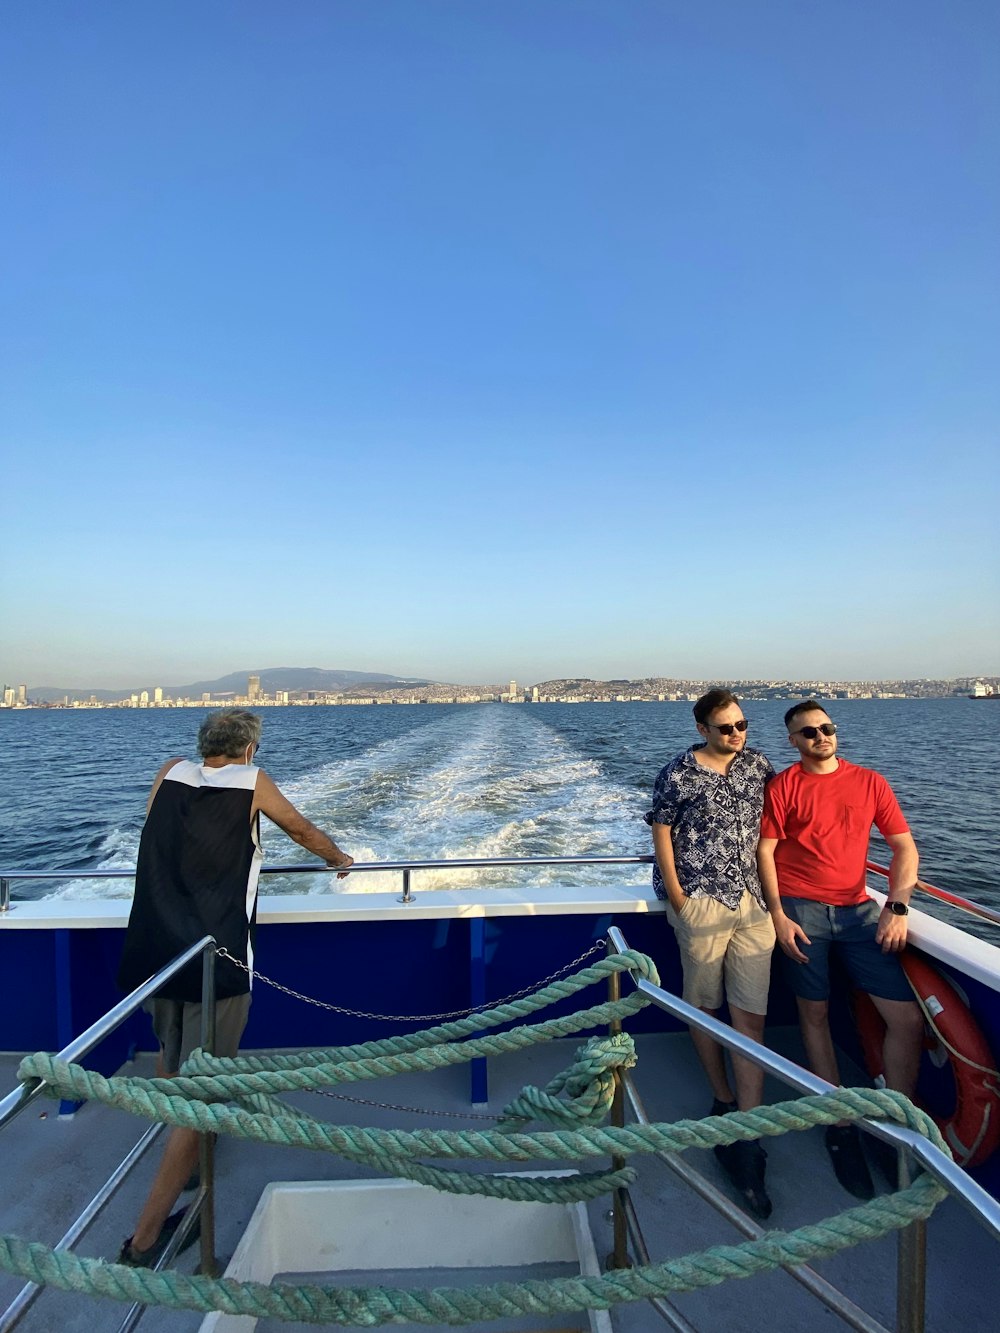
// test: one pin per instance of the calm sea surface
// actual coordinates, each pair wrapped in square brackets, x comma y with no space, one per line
[438,781]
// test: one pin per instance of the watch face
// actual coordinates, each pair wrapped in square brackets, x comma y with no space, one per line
[899,909]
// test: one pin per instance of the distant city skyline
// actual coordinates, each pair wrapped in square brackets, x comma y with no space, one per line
[278,686]
[621,338]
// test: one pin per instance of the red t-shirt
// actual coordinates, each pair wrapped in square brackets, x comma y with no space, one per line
[823,822]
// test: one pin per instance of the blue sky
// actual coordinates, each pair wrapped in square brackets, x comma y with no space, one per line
[478,338]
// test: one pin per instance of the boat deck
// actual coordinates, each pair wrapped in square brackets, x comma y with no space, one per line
[52,1166]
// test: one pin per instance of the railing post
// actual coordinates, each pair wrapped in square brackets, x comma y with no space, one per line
[4,894]
[206,1145]
[619,1255]
[407,895]
[911,1264]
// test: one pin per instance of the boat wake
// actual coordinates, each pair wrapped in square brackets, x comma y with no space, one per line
[489,782]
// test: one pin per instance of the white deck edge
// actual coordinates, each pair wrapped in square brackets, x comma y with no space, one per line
[432,905]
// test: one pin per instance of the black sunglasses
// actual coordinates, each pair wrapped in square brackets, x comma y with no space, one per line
[810,733]
[727,728]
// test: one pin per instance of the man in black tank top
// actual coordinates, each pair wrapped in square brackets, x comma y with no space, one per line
[199,861]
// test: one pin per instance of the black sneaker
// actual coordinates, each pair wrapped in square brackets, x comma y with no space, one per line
[744,1164]
[843,1143]
[133,1258]
[722,1108]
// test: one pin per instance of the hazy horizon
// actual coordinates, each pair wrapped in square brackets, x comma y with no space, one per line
[392,680]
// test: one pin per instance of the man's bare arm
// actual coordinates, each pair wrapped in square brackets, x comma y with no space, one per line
[269,800]
[892,932]
[787,931]
[663,846]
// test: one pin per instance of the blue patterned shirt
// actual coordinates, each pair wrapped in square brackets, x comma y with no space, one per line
[715,824]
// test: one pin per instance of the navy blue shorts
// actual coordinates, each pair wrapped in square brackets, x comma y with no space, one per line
[850,933]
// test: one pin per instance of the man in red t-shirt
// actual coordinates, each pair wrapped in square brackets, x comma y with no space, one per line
[817,820]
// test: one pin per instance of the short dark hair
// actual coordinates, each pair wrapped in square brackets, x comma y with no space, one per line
[228,733]
[806,706]
[709,702]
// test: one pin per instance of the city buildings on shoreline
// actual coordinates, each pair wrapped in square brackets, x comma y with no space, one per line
[562,691]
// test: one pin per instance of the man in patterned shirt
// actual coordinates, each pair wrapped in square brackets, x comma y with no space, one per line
[706,821]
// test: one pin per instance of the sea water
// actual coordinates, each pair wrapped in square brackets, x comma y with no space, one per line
[429,782]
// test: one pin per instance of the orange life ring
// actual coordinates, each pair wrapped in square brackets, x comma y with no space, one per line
[972,1131]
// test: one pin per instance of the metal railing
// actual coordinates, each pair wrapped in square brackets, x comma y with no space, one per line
[911,1255]
[943,896]
[203,1204]
[409,868]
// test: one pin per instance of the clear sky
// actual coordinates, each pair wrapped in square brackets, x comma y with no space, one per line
[478,338]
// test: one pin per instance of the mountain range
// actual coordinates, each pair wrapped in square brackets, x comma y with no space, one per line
[271,679]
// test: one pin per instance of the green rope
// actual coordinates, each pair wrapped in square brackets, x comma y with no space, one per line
[373,1306]
[236,1096]
[639,965]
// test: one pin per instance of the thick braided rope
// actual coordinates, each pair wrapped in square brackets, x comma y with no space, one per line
[853,1103]
[373,1306]
[241,1084]
[589,1083]
[261,1117]
[564,1189]
[639,965]
[580,1095]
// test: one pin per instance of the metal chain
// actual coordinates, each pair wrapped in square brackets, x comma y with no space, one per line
[408,1018]
[395,1106]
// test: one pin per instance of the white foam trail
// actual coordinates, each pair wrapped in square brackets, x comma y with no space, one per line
[118,851]
[498,783]
[477,782]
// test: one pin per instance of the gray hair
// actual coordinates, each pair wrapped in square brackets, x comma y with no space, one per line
[228,733]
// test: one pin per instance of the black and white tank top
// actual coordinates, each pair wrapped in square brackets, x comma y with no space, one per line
[198,866]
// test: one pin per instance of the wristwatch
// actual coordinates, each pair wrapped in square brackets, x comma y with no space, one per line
[897,909]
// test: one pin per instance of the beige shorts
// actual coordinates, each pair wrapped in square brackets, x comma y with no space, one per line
[721,948]
[177,1025]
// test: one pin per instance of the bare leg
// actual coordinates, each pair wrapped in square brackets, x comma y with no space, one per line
[815,1023]
[748,1076]
[180,1157]
[904,1033]
[713,1060]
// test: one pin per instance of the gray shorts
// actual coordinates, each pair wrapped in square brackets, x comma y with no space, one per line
[848,932]
[177,1025]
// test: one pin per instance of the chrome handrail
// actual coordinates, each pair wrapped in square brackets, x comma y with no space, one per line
[7,877]
[17,1101]
[982,1205]
[911,1244]
[942,895]
[807,1277]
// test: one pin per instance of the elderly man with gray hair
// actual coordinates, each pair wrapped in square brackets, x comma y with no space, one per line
[199,861]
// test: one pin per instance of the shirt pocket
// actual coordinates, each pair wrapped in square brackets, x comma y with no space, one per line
[857,820]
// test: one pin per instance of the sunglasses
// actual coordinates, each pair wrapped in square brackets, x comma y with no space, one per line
[810,733]
[727,728]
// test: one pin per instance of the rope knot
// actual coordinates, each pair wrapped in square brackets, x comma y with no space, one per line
[581,1094]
